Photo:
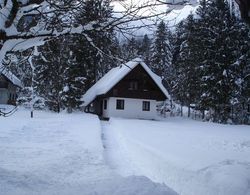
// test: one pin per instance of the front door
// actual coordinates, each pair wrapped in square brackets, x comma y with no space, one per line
[101,108]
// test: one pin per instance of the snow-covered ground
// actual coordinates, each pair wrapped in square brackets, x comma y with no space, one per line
[193,158]
[61,154]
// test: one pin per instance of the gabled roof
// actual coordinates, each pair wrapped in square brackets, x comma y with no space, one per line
[109,80]
[11,77]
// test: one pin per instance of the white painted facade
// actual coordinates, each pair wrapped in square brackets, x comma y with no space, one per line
[133,108]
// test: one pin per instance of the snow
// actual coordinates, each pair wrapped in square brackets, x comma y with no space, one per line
[114,76]
[5,12]
[61,154]
[189,156]
[6,107]
[66,88]
[181,12]
[19,45]
[174,14]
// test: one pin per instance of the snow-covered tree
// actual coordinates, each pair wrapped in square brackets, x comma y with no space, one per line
[130,49]
[145,49]
[221,51]
[161,51]
[26,23]
[187,86]
[75,80]
[50,71]
[210,60]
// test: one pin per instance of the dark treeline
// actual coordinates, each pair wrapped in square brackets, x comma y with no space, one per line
[212,63]
[204,61]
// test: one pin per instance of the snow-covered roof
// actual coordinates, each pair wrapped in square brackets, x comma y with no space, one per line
[109,80]
[11,77]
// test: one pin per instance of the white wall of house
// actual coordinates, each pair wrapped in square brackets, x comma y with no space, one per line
[132,109]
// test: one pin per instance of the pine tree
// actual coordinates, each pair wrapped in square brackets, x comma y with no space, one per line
[74,85]
[145,49]
[221,51]
[211,59]
[186,63]
[50,73]
[76,62]
[176,87]
[239,72]
[161,51]
[130,49]
[97,61]
[59,76]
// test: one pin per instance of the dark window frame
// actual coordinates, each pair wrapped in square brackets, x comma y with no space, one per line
[120,104]
[133,85]
[145,105]
[3,84]
[105,103]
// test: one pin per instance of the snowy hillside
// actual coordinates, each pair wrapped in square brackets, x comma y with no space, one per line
[180,10]
[178,13]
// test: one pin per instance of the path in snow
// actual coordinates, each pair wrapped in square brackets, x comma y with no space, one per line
[191,157]
[62,154]
[115,154]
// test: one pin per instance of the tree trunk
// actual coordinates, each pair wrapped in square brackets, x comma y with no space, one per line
[203,114]
[58,107]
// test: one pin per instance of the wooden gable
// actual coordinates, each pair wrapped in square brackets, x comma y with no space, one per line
[244,9]
[3,81]
[137,84]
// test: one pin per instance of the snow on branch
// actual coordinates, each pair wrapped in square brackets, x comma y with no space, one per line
[28,23]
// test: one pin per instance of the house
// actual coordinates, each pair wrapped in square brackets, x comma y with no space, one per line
[8,87]
[131,90]
[244,6]
[173,2]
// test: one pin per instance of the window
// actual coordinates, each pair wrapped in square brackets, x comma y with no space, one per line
[119,104]
[105,104]
[1,95]
[3,84]
[133,85]
[146,106]
[145,85]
